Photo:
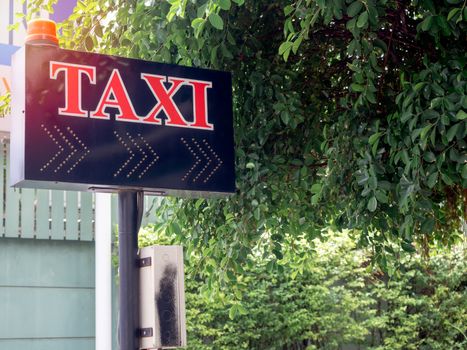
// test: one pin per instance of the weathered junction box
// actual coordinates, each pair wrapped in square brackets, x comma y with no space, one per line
[162,298]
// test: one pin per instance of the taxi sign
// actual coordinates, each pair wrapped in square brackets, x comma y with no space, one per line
[85,121]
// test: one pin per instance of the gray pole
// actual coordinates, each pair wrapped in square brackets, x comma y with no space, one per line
[129,220]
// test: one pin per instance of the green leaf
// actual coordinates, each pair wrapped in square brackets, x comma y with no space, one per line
[419,86]
[277,238]
[199,202]
[286,55]
[372,12]
[354,8]
[430,114]
[370,96]
[362,20]
[373,182]
[425,131]
[373,138]
[405,156]
[464,171]
[13,27]
[433,137]
[427,23]
[427,226]
[429,157]
[436,102]
[381,44]
[443,24]
[322,4]
[406,116]
[366,192]
[315,199]
[408,247]
[176,228]
[452,131]
[374,63]
[89,43]
[286,45]
[257,213]
[407,101]
[446,179]
[225,51]
[98,31]
[381,196]
[372,203]
[197,22]
[416,133]
[453,12]
[385,185]
[270,266]
[233,311]
[461,115]
[296,44]
[242,310]
[350,25]
[362,178]
[214,54]
[374,148]
[285,117]
[316,188]
[225,4]
[216,21]
[445,119]
[455,156]
[315,17]
[231,276]
[288,10]
[357,87]
[432,180]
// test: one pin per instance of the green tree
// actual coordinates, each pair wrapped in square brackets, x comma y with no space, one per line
[331,299]
[348,114]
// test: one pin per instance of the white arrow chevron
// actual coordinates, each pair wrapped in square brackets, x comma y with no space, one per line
[69,144]
[143,153]
[155,157]
[195,164]
[59,148]
[85,150]
[130,152]
[64,144]
[133,145]
[199,170]
[217,159]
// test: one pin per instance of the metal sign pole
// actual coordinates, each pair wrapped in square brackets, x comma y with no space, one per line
[129,221]
[75,111]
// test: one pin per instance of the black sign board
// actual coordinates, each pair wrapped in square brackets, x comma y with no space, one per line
[84,121]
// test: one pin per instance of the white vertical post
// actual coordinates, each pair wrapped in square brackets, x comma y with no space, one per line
[103,239]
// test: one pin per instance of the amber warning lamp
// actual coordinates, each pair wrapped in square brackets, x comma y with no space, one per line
[42,32]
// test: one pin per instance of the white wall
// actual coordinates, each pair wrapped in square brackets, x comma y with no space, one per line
[9,40]
[8,10]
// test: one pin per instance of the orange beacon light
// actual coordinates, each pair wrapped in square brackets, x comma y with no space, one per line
[42,32]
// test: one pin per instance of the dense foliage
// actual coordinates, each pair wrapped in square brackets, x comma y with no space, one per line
[336,300]
[348,114]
